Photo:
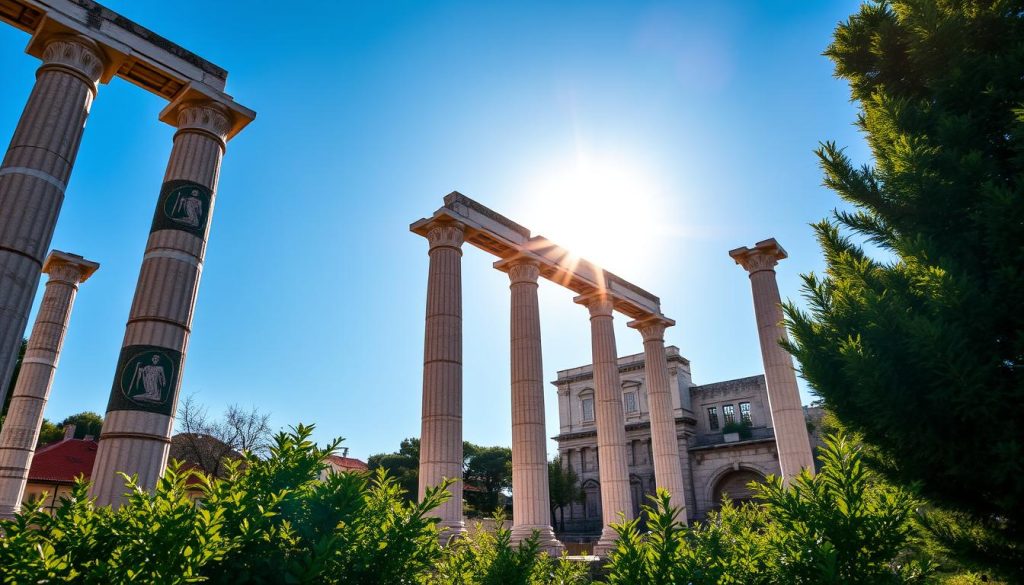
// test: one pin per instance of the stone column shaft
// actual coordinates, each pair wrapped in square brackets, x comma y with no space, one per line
[25,415]
[441,435]
[140,414]
[791,435]
[34,175]
[668,473]
[532,509]
[613,470]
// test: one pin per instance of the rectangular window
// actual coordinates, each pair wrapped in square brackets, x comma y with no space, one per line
[631,402]
[745,413]
[712,417]
[729,414]
[588,409]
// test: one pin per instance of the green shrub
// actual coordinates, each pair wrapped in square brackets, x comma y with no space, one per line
[269,521]
[488,558]
[842,526]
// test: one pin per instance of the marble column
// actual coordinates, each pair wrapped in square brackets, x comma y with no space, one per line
[441,433]
[34,175]
[668,473]
[25,415]
[613,471]
[791,434]
[531,511]
[140,414]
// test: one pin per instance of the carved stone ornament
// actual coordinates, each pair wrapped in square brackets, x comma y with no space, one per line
[524,272]
[757,262]
[206,116]
[76,53]
[600,307]
[446,235]
[653,331]
[64,272]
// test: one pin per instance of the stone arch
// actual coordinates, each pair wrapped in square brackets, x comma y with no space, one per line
[637,492]
[732,479]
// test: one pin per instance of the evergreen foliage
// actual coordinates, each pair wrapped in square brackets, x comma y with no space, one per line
[918,346]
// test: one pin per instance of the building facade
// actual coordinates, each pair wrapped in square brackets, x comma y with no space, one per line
[724,429]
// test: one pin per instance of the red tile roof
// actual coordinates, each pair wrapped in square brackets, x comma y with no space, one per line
[348,463]
[63,461]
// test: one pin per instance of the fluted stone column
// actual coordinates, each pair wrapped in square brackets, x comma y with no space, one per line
[668,474]
[140,414]
[532,509]
[441,434]
[34,175]
[791,435]
[25,415]
[613,470]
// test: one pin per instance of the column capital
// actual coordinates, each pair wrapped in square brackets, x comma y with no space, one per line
[205,116]
[67,267]
[599,303]
[521,269]
[79,55]
[446,234]
[763,256]
[652,327]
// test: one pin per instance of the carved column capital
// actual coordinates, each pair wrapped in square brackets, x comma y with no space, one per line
[69,268]
[76,54]
[446,235]
[524,271]
[652,328]
[763,256]
[598,304]
[205,116]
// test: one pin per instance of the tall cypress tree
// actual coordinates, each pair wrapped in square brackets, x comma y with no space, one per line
[917,342]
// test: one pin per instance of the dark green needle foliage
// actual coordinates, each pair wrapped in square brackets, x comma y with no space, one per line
[914,335]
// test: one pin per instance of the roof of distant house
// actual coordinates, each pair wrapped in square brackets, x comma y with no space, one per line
[63,461]
[348,463]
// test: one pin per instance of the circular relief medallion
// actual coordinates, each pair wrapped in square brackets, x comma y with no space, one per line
[146,378]
[187,206]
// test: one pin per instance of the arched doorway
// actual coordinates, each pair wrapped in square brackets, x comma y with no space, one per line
[734,484]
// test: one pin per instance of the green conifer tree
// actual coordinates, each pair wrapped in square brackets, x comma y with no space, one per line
[917,342]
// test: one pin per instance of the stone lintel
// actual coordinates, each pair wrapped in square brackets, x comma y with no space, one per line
[506,239]
[130,51]
[87,267]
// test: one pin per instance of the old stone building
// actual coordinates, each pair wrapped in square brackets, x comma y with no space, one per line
[714,462]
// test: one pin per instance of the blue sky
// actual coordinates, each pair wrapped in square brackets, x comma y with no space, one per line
[650,137]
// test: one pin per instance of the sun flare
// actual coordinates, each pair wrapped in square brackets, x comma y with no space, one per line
[600,209]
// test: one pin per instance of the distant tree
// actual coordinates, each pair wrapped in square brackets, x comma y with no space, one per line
[489,472]
[921,349]
[206,443]
[49,433]
[564,489]
[404,466]
[86,424]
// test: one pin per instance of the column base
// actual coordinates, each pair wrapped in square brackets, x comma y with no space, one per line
[606,543]
[545,537]
[448,531]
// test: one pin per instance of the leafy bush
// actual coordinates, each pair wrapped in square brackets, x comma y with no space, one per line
[490,559]
[269,521]
[840,526]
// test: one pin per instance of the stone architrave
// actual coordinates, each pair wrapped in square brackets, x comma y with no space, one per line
[668,473]
[25,415]
[34,175]
[616,497]
[140,414]
[783,395]
[532,510]
[441,434]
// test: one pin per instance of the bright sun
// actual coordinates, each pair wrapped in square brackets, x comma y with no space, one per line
[600,209]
